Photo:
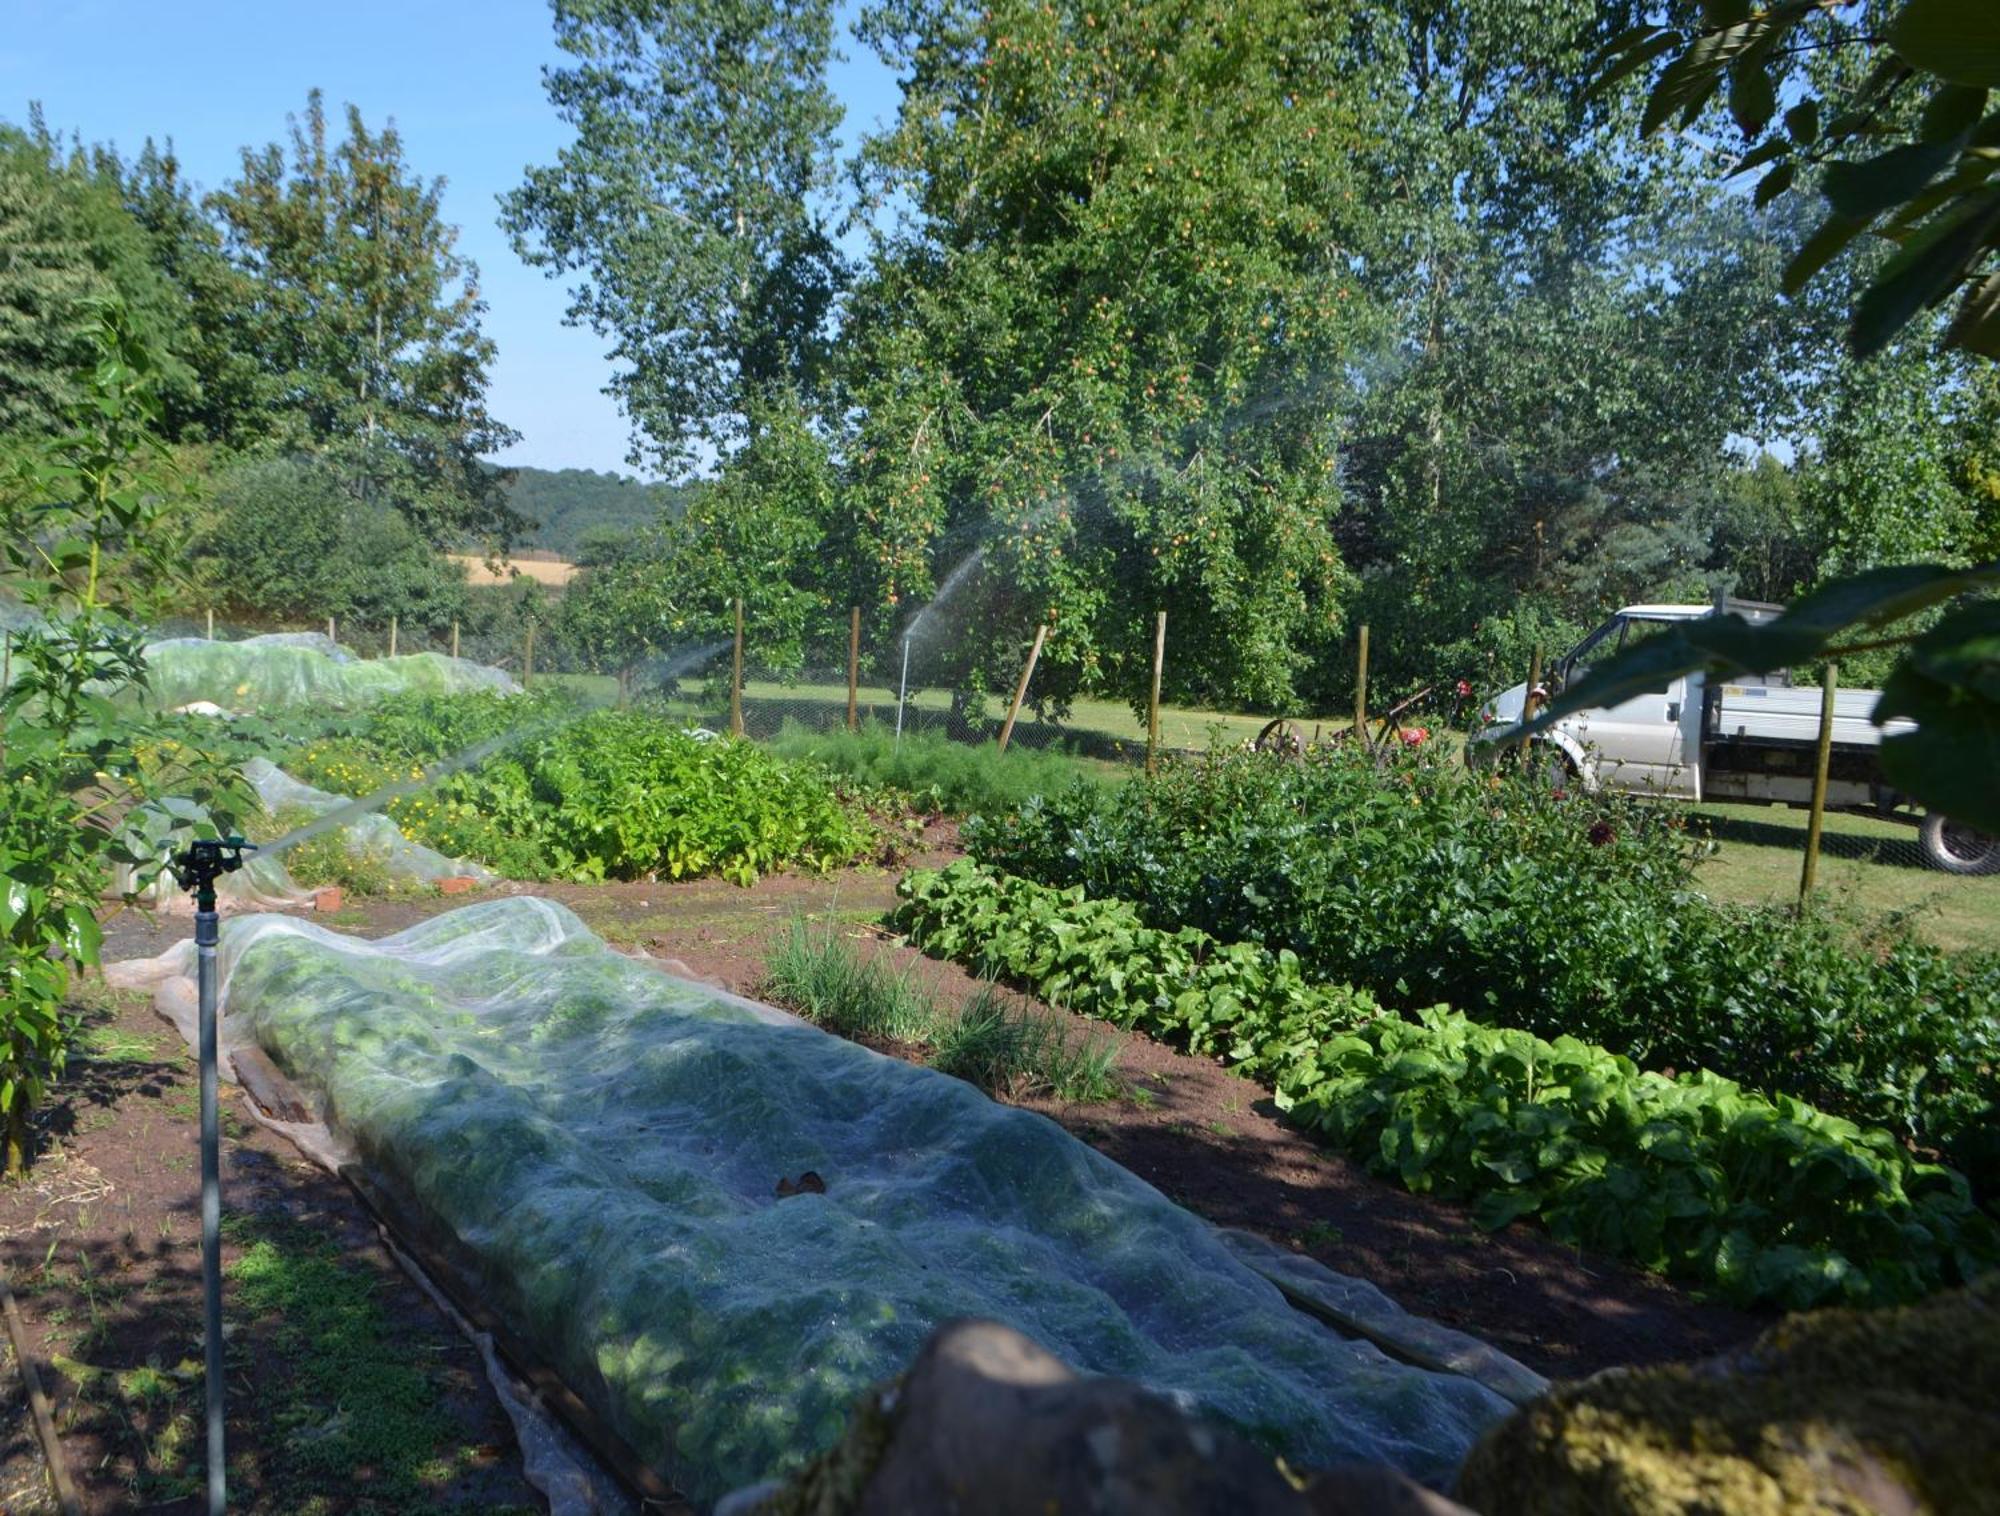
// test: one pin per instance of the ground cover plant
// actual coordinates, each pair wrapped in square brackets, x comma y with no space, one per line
[1555,913]
[1760,1198]
[574,794]
[936,773]
[1004,1049]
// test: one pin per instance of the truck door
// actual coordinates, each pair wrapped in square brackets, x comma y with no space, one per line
[1642,744]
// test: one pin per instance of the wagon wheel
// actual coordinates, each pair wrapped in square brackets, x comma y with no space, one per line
[1280,736]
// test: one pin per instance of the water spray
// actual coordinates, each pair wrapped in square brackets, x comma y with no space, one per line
[197,868]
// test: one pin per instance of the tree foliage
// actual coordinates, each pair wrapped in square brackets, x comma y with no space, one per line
[685,205]
[367,320]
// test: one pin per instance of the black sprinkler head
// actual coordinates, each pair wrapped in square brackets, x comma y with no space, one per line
[206,860]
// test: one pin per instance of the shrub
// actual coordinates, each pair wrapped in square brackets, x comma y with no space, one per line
[1764,1199]
[933,771]
[1553,913]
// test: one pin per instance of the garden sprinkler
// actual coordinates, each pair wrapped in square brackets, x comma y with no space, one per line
[902,692]
[197,869]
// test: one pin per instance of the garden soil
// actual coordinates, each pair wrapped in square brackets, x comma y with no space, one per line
[100,1239]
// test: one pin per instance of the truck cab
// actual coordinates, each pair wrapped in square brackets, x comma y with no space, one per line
[1750,739]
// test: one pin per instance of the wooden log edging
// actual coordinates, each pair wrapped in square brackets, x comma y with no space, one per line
[38,1404]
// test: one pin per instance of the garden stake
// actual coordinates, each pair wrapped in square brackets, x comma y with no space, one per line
[902,692]
[736,677]
[1153,708]
[1810,867]
[1361,688]
[1021,689]
[853,663]
[197,869]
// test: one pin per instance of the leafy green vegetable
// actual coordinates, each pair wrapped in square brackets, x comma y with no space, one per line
[1555,914]
[1764,1199]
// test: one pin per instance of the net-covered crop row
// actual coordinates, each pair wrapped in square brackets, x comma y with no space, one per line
[615,1149]
[1763,1198]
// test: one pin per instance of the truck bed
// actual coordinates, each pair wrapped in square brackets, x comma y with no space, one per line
[1789,715]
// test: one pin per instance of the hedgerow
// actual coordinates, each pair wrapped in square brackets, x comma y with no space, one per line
[1561,914]
[1761,1199]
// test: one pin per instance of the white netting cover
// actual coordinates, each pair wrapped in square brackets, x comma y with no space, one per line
[264,882]
[607,1143]
[300,668]
[373,833]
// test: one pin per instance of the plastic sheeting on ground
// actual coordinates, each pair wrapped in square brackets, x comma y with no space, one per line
[263,883]
[608,1143]
[300,668]
[374,833]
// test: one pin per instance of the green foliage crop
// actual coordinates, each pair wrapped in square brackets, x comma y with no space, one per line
[935,772]
[598,795]
[1761,1199]
[1553,913]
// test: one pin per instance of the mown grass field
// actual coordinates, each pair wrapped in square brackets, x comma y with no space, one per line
[1867,866]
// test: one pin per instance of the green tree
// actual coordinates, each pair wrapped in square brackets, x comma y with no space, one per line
[1881,105]
[290,537]
[68,758]
[366,322]
[704,133]
[1102,353]
[67,245]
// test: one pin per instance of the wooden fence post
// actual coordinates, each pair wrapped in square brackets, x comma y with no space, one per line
[736,677]
[454,636]
[1361,688]
[392,636]
[1153,710]
[1821,762]
[853,665]
[528,656]
[1021,689]
[329,630]
[211,623]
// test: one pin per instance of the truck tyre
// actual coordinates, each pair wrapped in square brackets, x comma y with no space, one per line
[1956,848]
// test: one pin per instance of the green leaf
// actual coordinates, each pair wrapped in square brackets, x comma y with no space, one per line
[1634,60]
[1976,326]
[1957,40]
[1774,184]
[1752,96]
[1952,113]
[1820,249]
[1950,686]
[1688,82]
[1861,191]
[1802,122]
[1928,265]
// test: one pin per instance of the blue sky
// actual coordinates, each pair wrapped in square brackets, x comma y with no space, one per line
[463,82]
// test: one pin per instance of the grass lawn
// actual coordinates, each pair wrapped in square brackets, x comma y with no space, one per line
[1865,864]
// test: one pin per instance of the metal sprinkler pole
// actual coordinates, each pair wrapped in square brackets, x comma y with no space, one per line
[902,691]
[197,869]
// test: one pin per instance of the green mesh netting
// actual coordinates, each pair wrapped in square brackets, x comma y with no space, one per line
[607,1142]
[299,668]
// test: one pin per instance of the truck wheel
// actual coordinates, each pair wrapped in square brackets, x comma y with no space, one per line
[1956,848]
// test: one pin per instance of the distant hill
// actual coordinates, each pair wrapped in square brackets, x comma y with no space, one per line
[565,504]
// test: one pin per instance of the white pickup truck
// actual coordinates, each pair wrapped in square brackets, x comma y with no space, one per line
[1745,740]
